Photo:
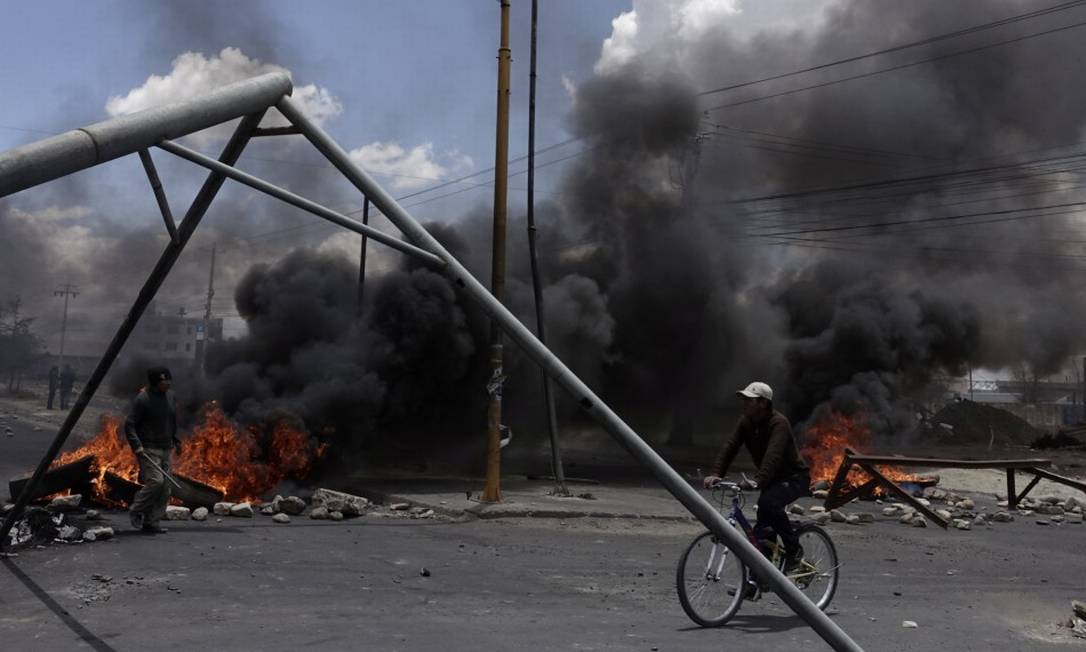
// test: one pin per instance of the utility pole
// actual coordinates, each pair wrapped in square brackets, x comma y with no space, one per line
[201,336]
[492,491]
[560,487]
[67,291]
[362,254]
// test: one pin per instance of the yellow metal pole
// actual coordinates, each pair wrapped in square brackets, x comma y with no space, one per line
[492,492]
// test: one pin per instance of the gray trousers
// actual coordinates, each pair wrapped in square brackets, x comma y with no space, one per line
[152,498]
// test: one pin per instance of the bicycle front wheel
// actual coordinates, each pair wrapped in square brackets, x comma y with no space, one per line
[711,581]
[817,575]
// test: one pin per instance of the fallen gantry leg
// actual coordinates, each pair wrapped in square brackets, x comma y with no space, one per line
[191,493]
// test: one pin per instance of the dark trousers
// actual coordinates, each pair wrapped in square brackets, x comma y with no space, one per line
[52,394]
[65,394]
[771,503]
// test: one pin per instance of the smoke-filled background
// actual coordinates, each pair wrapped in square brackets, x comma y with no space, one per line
[851,235]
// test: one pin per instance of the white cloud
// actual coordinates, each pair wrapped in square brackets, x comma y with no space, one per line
[56,213]
[194,74]
[410,168]
[621,45]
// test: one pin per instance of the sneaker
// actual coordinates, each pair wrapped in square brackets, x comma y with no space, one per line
[793,561]
[136,518]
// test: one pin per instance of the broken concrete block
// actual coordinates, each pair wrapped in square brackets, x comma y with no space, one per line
[65,503]
[222,509]
[98,534]
[319,513]
[281,518]
[337,501]
[292,505]
[199,514]
[69,533]
[177,513]
[243,510]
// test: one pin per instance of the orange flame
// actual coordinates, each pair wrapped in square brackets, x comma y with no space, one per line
[241,462]
[824,449]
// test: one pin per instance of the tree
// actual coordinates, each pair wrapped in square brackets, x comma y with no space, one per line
[20,349]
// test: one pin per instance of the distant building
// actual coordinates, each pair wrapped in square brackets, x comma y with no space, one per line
[172,336]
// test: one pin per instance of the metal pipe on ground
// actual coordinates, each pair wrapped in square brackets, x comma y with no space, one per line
[52,158]
[668,477]
[169,256]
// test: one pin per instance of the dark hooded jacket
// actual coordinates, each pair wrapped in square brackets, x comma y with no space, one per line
[152,421]
[770,443]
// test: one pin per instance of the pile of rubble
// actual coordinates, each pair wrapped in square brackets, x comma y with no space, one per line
[960,511]
[64,519]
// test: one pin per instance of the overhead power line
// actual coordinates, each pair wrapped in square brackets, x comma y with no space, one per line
[911,64]
[904,46]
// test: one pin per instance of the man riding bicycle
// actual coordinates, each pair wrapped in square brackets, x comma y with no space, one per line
[782,476]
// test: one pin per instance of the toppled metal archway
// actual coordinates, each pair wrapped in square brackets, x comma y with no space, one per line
[52,158]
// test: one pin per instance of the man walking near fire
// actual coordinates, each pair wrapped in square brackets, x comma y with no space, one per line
[781,474]
[151,430]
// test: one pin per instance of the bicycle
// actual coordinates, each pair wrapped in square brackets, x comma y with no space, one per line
[713,582]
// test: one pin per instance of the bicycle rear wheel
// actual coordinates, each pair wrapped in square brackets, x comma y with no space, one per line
[817,575]
[711,581]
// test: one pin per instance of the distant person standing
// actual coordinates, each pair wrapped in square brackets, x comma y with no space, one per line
[54,382]
[67,379]
[151,431]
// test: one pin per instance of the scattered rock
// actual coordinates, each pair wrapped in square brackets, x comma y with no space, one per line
[935,493]
[980,519]
[319,513]
[906,518]
[292,505]
[65,503]
[852,519]
[243,510]
[1042,521]
[796,509]
[1002,517]
[425,572]
[820,494]
[268,509]
[399,507]
[335,515]
[864,517]
[426,513]
[919,521]
[909,624]
[963,524]
[837,516]
[924,501]
[93,515]
[892,510]
[821,485]
[821,518]
[199,514]
[1048,508]
[177,513]
[337,501]
[222,509]
[281,518]
[966,503]
[98,534]
[1003,503]
[69,533]
[1051,500]
[1056,518]
[945,513]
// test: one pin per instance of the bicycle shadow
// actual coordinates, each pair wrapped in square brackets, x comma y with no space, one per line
[766,623]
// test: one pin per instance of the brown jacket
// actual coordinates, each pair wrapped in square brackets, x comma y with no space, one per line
[770,444]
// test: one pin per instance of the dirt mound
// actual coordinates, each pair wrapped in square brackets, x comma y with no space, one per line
[966,422]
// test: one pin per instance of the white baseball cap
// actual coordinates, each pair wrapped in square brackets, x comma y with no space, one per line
[757,390]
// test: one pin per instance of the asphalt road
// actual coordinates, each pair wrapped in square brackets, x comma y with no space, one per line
[522,584]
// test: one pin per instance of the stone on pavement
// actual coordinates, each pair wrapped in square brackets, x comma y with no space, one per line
[199,514]
[292,505]
[281,518]
[837,516]
[69,533]
[177,513]
[399,507]
[796,509]
[222,509]
[98,534]
[963,524]
[243,510]
[335,515]
[320,513]
[337,501]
